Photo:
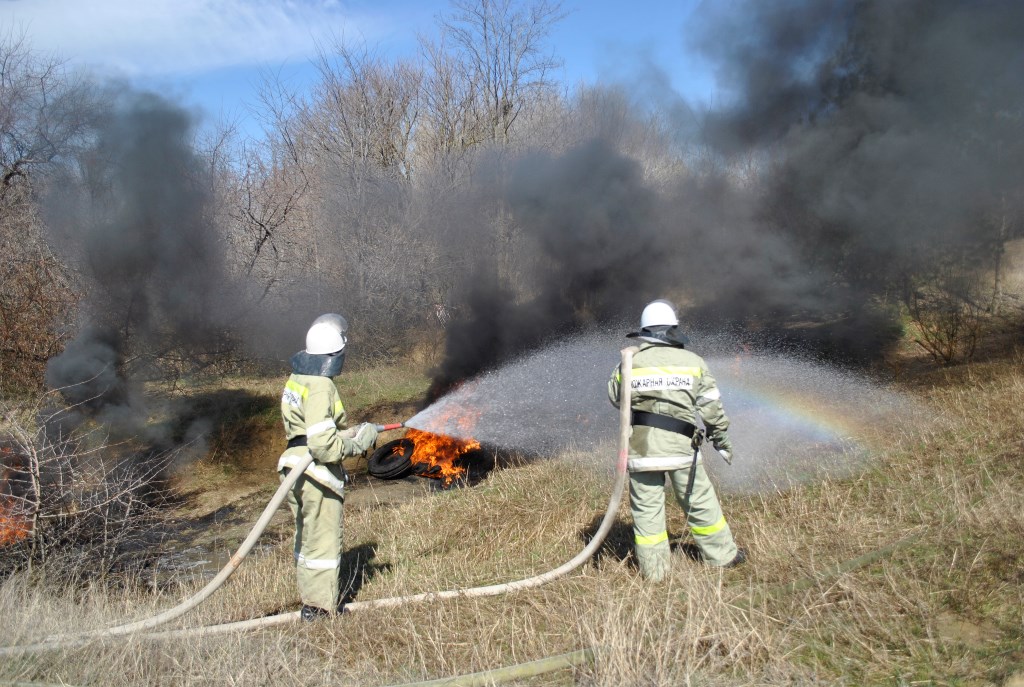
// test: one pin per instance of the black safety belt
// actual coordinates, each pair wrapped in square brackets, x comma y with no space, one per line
[665,422]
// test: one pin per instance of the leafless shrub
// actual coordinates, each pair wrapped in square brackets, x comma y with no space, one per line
[75,497]
[946,315]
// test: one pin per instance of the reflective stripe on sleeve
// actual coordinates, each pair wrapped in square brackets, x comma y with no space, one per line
[712,395]
[316,563]
[325,477]
[292,385]
[294,394]
[319,428]
[651,540]
[708,529]
[338,407]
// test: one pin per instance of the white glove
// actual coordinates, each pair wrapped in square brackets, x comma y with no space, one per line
[365,437]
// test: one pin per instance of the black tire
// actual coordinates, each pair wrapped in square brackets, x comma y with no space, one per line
[392,460]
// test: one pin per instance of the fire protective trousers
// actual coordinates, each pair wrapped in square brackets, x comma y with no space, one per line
[703,515]
[318,528]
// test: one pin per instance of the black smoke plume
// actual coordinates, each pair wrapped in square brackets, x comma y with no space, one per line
[136,216]
[591,219]
[860,145]
[892,131]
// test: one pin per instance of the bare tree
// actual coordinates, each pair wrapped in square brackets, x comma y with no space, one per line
[44,113]
[451,122]
[364,110]
[37,294]
[502,47]
[43,109]
[267,197]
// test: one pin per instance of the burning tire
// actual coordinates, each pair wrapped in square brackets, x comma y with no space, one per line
[392,460]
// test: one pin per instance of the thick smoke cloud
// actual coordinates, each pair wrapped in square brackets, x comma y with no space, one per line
[136,217]
[861,144]
[592,220]
[896,128]
[136,213]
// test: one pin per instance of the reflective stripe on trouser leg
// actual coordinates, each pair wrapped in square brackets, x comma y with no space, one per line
[318,528]
[647,503]
[704,516]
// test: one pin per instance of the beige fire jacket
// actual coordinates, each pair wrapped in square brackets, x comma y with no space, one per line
[670,380]
[311,406]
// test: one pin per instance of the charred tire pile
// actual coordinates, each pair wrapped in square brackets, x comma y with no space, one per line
[392,460]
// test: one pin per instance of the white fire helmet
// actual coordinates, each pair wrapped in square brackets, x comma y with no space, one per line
[326,336]
[659,313]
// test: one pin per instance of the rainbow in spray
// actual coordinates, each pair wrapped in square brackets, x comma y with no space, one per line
[794,419]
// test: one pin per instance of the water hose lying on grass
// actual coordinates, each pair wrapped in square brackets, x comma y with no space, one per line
[519,671]
[69,641]
[55,642]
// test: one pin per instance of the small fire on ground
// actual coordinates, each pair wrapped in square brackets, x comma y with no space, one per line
[15,521]
[435,455]
[15,525]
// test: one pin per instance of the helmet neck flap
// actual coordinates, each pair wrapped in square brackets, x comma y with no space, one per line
[662,334]
[318,364]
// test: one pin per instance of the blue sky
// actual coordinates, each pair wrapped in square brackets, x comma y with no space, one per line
[209,53]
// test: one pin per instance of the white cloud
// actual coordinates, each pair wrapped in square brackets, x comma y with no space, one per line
[174,37]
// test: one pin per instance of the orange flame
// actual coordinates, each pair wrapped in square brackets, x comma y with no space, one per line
[436,453]
[15,524]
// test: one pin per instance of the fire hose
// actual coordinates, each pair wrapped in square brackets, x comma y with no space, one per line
[69,641]
[229,568]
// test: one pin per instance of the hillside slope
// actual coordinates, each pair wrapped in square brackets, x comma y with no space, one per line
[825,599]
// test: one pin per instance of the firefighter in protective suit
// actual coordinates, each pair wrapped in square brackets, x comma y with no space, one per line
[314,418]
[672,385]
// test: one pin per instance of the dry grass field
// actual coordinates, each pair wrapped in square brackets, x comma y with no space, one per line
[826,598]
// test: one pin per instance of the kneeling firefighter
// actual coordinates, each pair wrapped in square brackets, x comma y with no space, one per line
[671,385]
[314,418]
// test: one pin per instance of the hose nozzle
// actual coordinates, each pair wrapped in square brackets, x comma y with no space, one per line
[385,428]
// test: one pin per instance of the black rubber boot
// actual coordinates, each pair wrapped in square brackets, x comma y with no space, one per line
[312,613]
[739,559]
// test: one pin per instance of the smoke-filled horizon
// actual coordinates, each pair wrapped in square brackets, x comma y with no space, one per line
[862,146]
[865,145]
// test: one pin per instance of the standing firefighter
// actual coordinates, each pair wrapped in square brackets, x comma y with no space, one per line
[670,386]
[313,421]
